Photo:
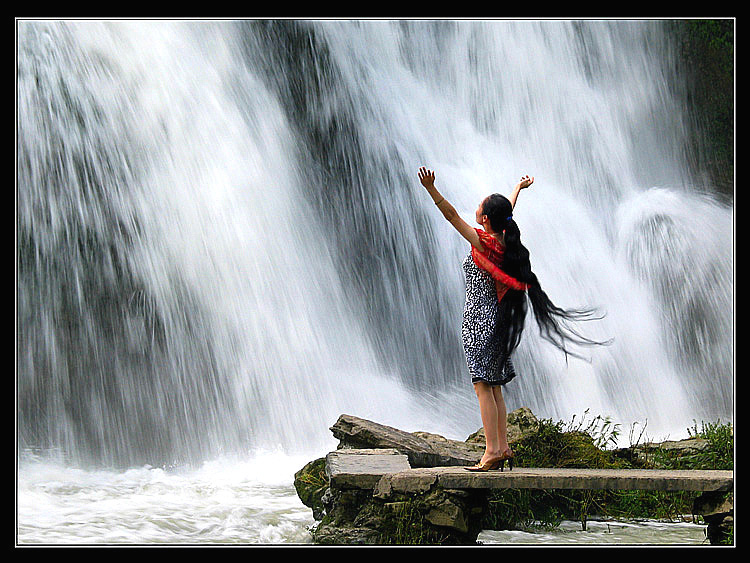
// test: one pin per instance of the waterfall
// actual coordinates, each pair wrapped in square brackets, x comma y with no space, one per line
[222,242]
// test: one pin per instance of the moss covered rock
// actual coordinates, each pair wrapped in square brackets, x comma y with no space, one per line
[311,483]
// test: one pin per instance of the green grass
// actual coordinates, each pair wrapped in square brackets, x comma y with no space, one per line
[583,443]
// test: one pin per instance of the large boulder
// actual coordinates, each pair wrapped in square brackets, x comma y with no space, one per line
[521,423]
[425,449]
[422,448]
[653,454]
[361,509]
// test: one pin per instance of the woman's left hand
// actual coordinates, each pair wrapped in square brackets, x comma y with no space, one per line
[525,182]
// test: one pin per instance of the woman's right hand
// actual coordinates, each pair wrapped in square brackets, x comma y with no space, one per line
[427,177]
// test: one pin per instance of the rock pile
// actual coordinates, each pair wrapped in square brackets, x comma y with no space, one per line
[380,485]
[351,514]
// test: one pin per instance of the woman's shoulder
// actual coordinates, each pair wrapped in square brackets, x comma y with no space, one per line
[489,241]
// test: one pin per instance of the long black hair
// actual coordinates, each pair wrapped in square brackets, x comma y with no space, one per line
[552,320]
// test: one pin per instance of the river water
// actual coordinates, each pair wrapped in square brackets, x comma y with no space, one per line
[236,502]
[222,245]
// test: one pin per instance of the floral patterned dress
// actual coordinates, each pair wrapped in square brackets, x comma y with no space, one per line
[480,329]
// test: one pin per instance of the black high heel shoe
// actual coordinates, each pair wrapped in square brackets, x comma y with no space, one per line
[507,455]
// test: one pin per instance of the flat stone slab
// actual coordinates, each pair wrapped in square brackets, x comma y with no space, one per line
[387,470]
[609,479]
[362,469]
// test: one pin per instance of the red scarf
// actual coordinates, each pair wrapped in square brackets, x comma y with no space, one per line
[490,261]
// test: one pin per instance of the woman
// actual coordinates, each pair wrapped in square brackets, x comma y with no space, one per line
[495,308]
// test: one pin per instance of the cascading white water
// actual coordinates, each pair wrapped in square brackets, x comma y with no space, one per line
[218,253]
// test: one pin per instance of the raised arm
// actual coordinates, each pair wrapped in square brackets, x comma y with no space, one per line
[427,177]
[524,183]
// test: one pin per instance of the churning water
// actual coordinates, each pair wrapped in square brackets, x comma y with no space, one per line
[223,245]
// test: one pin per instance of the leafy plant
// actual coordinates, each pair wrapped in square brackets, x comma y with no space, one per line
[600,428]
[720,453]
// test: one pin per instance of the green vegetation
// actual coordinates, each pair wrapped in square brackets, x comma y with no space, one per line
[720,454]
[583,444]
[406,526]
[310,483]
[576,444]
[706,49]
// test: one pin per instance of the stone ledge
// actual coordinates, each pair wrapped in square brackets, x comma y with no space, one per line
[392,473]
[362,469]
[591,479]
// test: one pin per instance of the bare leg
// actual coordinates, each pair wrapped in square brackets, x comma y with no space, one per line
[502,419]
[488,410]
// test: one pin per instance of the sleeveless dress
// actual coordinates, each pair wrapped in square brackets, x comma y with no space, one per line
[480,327]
